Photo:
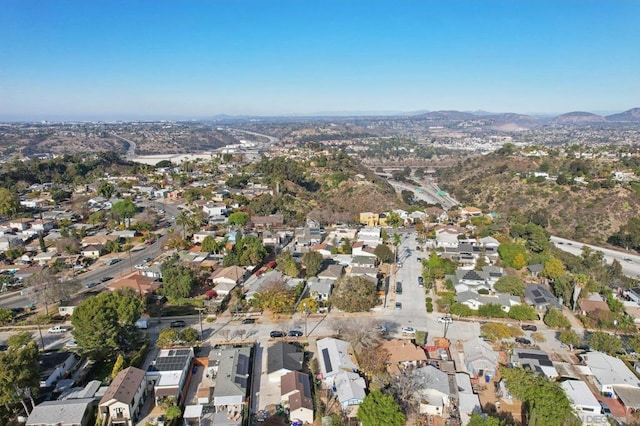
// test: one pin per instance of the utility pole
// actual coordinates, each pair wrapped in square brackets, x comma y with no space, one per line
[200,320]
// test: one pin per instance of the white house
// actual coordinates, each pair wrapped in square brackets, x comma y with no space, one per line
[212,209]
[434,391]
[335,356]
[169,372]
[608,371]
[583,402]
[350,388]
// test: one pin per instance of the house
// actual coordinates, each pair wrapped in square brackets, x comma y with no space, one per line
[229,275]
[121,403]
[369,219]
[363,261]
[436,214]
[307,236]
[592,304]
[68,412]
[92,251]
[124,234]
[168,373]
[583,402]
[230,367]
[535,269]
[55,365]
[8,241]
[320,289]
[44,257]
[349,389]
[403,354]
[271,239]
[325,249]
[468,401]
[256,283]
[539,297]
[364,271]
[199,236]
[633,294]
[608,371]
[271,221]
[447,235]
[331,272]
[153,271]
[370,236]
[214,209]
[41,226]
[474,300]
[98,239]
[479,358]
[470,280]
[282,358]
[20,224]
[295,394]
[136,281]
[534,360]
[433,390]
[334,356]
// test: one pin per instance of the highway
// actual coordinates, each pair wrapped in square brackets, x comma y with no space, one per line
[630,262]
[429,193]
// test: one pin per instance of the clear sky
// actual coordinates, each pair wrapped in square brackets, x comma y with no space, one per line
[192,59]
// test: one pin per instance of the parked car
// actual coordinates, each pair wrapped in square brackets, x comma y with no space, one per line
[71,344]
[58,329]
[398,305]
[419,259]
[408,330]
[523,341]
[177,323]
[445,320]
[529,327]
[605,408]
[382,329]
[420,282]
[249,321]
[105,279]
[147,259]
[398,288]
[92,284]
[294,333]
[113,262]
[275,334]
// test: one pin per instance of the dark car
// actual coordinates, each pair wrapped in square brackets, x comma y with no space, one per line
[105,279]
[275,334]
[529,327]
[178,323]
[249,321]
[398,288]
[523,341]
[294,333]
[92,285]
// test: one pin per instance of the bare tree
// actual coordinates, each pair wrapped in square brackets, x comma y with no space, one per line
[405,388]
[241,332]
[224,333]
[47,288]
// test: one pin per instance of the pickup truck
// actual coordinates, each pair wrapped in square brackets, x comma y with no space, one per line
[58,329]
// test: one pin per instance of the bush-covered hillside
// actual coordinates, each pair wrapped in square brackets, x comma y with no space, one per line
[578,198]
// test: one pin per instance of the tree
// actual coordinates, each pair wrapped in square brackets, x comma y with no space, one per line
[124,210]
[523,313]
[569,338]
[167,337]
[308,305]
[555,319]
[545,401]
[491,310]
[97,218]
[276,297]
[247,251]
[6,315]
[209,244]
[312,262]
[478,420]
[104,325]
[499,331]
[189,336]
[9,202]
[394,220]
[106,189]
[354,294]
[512,255]
[511,284]
[118,366]
[177,280]
[384,253]
[604,342]
[49,289]
[553,268]
[377,406]
[287,264]
[20,374]
[238,218]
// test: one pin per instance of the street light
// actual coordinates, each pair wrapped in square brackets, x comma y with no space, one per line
[615,324]
[306,316]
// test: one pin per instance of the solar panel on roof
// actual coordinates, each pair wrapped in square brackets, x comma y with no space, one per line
[540,300]
[243,364]
[536,293]
[241,381]
[327,360]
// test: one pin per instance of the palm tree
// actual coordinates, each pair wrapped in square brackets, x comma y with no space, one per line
[183,220]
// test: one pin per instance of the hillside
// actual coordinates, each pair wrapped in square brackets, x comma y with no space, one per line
[499,183]
[576,118]
[632,114]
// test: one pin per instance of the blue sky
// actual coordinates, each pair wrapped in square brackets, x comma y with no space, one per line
[192,59]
